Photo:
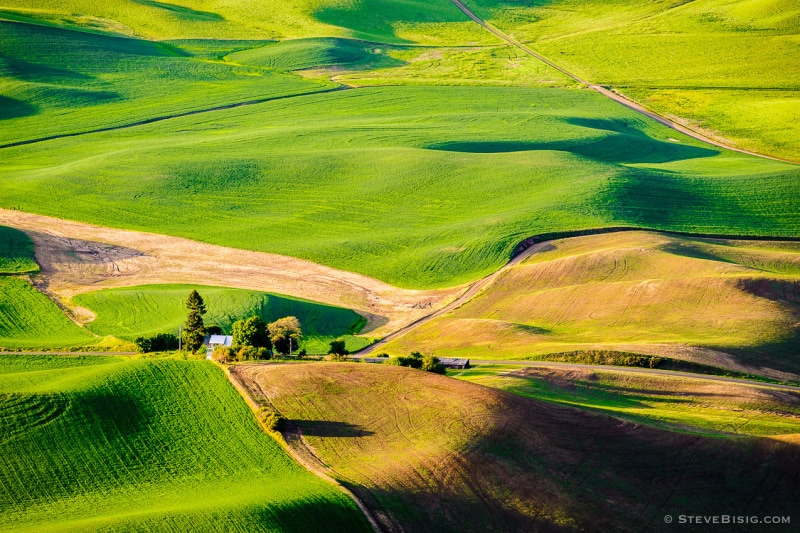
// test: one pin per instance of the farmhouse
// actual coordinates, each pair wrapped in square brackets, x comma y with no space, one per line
[212,341]
[452,362]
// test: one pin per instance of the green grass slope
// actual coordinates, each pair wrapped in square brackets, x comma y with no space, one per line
[439,454]
[28,319]
[16,252]
[110,444]
[417,186]
[146,310]
[56,81]
[727,66]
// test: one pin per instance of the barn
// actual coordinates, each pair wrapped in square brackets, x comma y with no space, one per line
[452,362]
[213,341]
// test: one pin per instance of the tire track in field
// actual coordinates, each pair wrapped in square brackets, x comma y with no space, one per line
[169,117]
[630,104]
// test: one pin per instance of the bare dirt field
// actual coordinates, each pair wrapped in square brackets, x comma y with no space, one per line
[427,452]
[77,258]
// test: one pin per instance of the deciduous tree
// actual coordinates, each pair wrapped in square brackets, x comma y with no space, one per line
[251,332]
[285,334]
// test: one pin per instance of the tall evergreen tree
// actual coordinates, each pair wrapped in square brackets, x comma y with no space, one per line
[194,331]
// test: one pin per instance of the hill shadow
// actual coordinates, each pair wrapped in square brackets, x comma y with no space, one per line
[622,143]
[185,13]
[13,108]
[324,428]
[667,200]
[615,148]
[115,416]
[311,514]
[377,20]
[692,251]
[782,353]
[28,71]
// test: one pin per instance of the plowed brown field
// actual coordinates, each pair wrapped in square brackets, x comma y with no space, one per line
[430,453]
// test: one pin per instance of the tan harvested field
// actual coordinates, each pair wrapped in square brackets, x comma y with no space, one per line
[431,453]
[672,402]
[77,258]
[734,304]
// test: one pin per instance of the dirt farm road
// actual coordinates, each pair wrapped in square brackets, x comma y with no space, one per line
[637,370]
[474,289]
[604,91]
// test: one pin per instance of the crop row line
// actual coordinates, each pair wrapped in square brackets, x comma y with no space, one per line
[170,117]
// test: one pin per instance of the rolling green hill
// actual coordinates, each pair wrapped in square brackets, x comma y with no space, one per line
[28,319]
[146,310]
[16,252]
[56,81]
[397,21]
[112,444]
[727,66]
[417,186]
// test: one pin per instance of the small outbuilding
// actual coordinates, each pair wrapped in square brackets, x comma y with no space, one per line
[213,341]
[452,362]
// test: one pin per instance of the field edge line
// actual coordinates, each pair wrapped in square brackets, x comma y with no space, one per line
[282,442]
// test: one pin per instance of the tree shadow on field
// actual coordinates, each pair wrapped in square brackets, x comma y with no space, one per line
[324,428]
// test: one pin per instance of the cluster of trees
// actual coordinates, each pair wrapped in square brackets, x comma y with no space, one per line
[163,342]
[428,363]
[252,337]
[338,351]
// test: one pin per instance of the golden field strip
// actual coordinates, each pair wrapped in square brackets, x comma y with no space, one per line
[732,304]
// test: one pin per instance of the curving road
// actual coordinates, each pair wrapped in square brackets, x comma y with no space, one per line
[471,291]
[605,92]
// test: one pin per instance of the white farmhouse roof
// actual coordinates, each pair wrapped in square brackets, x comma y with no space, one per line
[218,340]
